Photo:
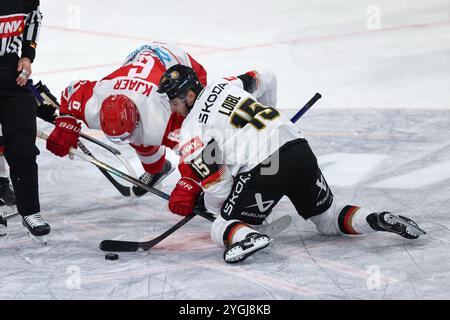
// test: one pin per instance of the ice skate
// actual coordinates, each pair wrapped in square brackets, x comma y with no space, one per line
[7,199]
[386,221]
[8,211]
[241,250]
[37,227]
[152,179]
[3,225]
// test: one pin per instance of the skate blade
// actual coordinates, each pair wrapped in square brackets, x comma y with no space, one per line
[42,240]
[3,226]
[239,256]
[8,211]
[275,227]
[414,228]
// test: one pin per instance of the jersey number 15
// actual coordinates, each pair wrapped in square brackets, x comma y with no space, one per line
[253,113]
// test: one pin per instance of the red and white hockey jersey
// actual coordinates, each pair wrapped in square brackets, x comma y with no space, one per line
[228,132]
[138,79]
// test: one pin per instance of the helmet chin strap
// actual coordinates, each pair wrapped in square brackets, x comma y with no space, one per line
[184,99]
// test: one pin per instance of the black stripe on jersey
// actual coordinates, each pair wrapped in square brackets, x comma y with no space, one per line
[4,45]
[32,26]
[15,44]
[249,82]
[11,44]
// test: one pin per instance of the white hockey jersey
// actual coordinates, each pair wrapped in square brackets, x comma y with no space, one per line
[137,78]
[228,132]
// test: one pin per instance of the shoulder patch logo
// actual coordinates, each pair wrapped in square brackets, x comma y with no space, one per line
[190,147]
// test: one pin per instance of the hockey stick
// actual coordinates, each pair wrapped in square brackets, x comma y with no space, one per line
[114,151]
[124,190]
[121,174]
[43,95]
[136,246]
[130,246]
[306,107]
[104,166]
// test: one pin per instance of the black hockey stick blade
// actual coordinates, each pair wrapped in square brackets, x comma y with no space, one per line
[123,190]
[135,246]
[121,246]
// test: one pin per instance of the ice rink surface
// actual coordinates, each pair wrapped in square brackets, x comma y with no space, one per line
[380,132]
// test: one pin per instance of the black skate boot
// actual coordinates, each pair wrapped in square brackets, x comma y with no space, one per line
[152,179]
[37,227]
[386,221]
[3,225]
[7,198]
[241,250]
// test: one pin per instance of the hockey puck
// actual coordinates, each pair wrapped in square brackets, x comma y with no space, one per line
[111,256]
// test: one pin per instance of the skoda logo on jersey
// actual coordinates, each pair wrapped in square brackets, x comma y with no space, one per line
[216,91]
[263,206]
[231,201]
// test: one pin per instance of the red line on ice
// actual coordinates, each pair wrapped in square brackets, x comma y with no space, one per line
[210,49]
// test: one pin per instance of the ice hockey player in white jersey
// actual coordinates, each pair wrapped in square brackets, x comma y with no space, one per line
[127,108]
[125,105]
[246,156]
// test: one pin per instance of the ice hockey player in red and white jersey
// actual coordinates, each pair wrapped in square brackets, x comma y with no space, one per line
[127,108]
[246,156]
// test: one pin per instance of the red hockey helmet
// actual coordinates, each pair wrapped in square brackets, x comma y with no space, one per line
[119,118]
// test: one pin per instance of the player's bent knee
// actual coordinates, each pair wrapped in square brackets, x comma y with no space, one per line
[327,222]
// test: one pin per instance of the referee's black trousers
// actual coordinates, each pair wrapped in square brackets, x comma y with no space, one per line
[18,120]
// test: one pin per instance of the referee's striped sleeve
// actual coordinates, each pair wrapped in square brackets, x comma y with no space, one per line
[31,34]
